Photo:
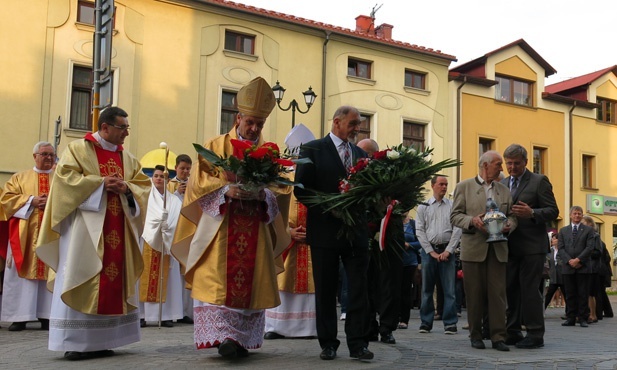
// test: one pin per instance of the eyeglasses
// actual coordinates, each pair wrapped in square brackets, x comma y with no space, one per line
[46,154]
[123,128]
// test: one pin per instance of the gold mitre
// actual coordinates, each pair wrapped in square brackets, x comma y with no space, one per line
[256,99]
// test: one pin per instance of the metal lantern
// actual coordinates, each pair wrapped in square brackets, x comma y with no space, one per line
[494,222]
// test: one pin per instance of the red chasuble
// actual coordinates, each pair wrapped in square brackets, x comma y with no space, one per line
[34,268]
[112,275]
[301,281]
[242,242]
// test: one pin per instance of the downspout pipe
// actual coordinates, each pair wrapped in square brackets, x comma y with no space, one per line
[323,84]
[571,155]
[458,127]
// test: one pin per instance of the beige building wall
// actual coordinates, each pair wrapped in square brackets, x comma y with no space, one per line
[170,69]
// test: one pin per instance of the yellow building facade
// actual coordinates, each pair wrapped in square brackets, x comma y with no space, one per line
[501,98]
[178,64]
[593,157]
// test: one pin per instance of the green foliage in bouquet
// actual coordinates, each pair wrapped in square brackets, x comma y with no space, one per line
[397,173]
[255,167]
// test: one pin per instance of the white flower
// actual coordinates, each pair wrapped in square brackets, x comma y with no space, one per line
[393,154]
[411,150]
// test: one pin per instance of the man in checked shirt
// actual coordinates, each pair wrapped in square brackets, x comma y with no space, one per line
[438,239]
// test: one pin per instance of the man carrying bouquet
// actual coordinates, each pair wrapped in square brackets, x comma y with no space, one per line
[331,159]
[228,236]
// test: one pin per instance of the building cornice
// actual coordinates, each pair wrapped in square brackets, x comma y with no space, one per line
[314,28]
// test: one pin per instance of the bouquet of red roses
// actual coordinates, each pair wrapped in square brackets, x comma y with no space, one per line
[255,167]
[394,177]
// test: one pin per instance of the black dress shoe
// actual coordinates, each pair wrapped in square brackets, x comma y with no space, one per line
[77,356]
[186,320]
[167,324]
[529,343]
[273,335]
[514,339]
[242,352]
[501,346]
[74,355]
[99,354]
[228,348]
[18,326]
[569,322]
[388,338]
[44,324]
[362,354]
[477,344]
[583,323]
[328,353]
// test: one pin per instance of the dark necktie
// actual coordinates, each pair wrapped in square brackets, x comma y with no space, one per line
[347,156]
[514,188]
[574,231]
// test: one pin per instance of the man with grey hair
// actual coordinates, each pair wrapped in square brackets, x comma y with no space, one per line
[25,295]
[331,157]
[534,205]
[484,265]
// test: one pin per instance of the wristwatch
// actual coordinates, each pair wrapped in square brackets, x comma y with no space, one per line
[129,197]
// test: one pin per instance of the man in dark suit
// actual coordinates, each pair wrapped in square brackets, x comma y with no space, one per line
[331,158]
[484,264]
[533,205]
[576,242]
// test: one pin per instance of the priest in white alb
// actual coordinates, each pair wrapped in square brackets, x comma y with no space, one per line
[90,239]
[228,238]
[161,220]
[24,293]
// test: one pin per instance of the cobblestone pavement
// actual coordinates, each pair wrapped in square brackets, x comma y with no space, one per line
[172,348]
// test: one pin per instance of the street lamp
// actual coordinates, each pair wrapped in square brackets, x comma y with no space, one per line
[309,99]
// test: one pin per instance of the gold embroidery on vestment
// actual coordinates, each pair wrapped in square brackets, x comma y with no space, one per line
[112,271]
[111,169]
[114,206]
[113,239]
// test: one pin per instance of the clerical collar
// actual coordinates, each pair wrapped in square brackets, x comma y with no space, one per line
[42,171]
[104,143]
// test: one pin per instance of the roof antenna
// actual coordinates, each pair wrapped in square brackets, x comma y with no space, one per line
[375,9]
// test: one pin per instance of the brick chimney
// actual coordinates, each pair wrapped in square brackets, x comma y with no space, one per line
[364,24]
[384,31]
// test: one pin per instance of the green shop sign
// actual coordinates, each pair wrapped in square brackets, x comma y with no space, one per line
[599,204]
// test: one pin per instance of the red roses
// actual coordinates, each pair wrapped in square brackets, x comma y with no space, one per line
[269,151]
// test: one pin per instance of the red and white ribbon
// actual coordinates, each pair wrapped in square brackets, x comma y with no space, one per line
[384,224]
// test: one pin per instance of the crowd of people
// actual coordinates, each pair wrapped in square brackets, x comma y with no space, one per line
[96,249]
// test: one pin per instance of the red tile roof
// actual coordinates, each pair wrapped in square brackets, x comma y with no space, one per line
[579,82]
[326,27]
